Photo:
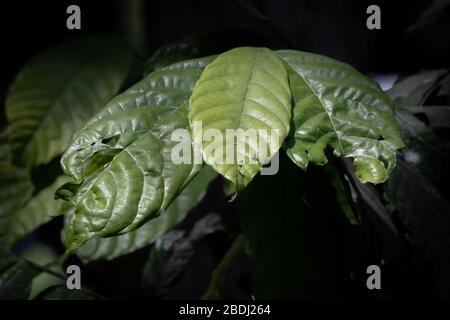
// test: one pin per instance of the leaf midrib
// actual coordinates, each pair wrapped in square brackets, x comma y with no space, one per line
[244,106]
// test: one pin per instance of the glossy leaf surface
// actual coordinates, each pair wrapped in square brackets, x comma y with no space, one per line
[123,156]
[110,248]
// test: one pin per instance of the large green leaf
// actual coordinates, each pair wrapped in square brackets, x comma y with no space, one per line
[297,235]
[338,107]
[123,157]
[110,248]
[57,91]
[243,89]
[37,211]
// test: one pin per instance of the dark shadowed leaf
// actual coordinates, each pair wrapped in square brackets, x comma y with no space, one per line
[426,215]
[172,252]
[220,286]
[37,211]
[110,248]
[15,277]
[414,90]
[16,189]
[424,149]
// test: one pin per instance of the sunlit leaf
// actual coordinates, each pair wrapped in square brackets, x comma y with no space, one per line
[245,90]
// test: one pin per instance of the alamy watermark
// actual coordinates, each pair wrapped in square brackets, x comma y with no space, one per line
[74,277]
[373,22]
[374,279]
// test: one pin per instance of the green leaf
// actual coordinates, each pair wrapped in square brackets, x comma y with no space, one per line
[37,211]
[15,277]
[297,235]
[243,89]
[57,91]
[113,247]
[338,107]
[123,156]
[42,255]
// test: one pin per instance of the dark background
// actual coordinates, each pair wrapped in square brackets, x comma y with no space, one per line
[330,27]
